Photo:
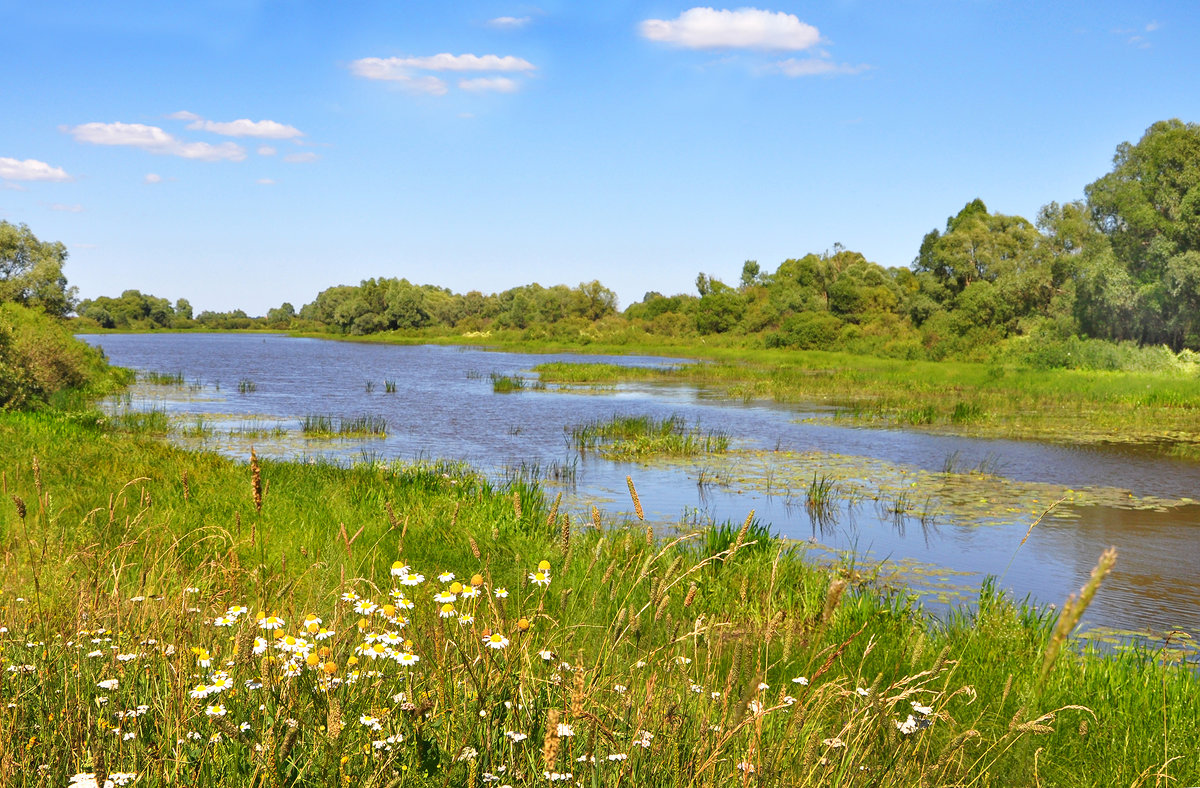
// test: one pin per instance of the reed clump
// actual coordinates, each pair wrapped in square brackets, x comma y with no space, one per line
[325,426]
[625,436]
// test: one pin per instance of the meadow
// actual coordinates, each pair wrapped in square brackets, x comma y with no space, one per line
[171,617]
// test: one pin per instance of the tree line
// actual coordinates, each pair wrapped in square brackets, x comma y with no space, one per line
[1120,266]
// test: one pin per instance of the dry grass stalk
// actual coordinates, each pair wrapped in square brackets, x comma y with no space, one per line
[637,504]
[596,518]
[387,507]
[516,505]
[691,595]
[187,488]
[741,537]
[554,510]
[256,480]
[1072,611]
[833,598]
[550,744]
[474,548]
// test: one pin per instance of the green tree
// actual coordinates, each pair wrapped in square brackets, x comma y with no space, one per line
[31,271]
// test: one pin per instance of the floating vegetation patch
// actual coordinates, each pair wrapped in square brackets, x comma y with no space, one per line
[625,437]
[323,426]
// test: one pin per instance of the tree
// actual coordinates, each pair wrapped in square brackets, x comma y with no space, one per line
[31,271]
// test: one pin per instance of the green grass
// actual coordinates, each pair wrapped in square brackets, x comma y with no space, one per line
[161,378]
[120,545]
[324,426]
[630,436]
[507,384]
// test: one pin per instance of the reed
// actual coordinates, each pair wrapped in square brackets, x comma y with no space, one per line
[247,386]
[326,426]
[630,436]
[161,378]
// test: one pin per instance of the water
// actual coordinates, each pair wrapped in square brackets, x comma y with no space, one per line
[444,407]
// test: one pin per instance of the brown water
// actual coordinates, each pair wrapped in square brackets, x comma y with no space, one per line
[949,533]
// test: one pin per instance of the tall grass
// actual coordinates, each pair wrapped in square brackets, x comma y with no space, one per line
[161,378]
[146,577]
[629,436]
[325,426]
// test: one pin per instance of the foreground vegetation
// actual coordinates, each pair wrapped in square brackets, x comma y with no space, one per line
[192,619]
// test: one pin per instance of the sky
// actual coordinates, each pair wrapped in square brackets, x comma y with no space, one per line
[241,154]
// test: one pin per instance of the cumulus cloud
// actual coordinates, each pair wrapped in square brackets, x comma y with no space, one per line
[483,84]
[509,22]
[745,28]
[413,73]
[30,170]
[152,139]
[243,127]
[301,158]
[816,66]
[266,150]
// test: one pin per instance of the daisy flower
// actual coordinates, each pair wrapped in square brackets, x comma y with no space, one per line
[447,610]
[407,659]
[399,569]
[496,641]
[501,593]
[412,580]
[216,710]
[539,578]
[446,577]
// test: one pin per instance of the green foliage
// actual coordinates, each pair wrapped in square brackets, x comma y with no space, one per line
[31,271]
[41,361]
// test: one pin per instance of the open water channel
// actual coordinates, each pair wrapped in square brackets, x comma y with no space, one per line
[940,512]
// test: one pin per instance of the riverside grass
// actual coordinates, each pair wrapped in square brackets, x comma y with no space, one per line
[154,616]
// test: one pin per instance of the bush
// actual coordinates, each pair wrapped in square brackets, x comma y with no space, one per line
[39,359]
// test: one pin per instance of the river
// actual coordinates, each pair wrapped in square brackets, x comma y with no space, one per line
[897,507]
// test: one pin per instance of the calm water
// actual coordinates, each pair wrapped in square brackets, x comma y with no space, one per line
[444,407]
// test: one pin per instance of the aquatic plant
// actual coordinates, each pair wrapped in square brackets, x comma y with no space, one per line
[325,426]
[625,436]
[247,386]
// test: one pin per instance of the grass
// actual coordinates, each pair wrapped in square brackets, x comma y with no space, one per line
[139,578]
[161,378]
[324,426]
[1151,410]
[247,386]
[507,384]
[630,437]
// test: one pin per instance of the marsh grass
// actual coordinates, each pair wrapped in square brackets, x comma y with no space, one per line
[507,384]
[630,436]
[696,659]
[247,386]
[325,426]
[160,378]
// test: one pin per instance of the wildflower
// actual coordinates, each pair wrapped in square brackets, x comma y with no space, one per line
[192,590]
[349,596]
[96,653]
[863,692]
[365,606]
[126,657]
[370,722]
[217,710]
[470,592]
[224,621]
[446,577]
[476,579]
[833,743]
[908,726]
[919,709]
[203,659]
[515,736]
[122,778]
[546,654]
[260,646]
[444,597]
[467,754]
[291,669]
[565,729]
[501,593]
[412,580]
[557,776]
[682,660]
[403,602]
[324,634]
[801,681]
[129,735]
[539,578]
[496,641]
[399,569]
[311,620]
[108,684]
[788,699]
[746,766]
[544,565]
[620,689]
[755,707]
[244,727]
[220,683]
[407,659]
[270,622]
[253,684]
[643,739]
[237,610]
[696,688]
[523,624]
[617,756]
[447,610]
[763,685]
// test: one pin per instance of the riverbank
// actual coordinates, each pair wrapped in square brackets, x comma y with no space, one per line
[669,661]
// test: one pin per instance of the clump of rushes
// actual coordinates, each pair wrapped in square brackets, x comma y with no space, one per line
[161,378]
[165,645]
[507,384]
[631,437]
[322,426]
[247,386]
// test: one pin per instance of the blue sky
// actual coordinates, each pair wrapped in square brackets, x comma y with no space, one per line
[241,154]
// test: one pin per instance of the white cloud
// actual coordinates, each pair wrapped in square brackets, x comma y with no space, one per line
[1152,26]
[264,129]
[266,181]
[409,72]
[266,150]
[510,22]
[30,170]
[482,84]
[382,68]
[745,28]
[152,177]
[816,66]
[301,158]
[154,140]
[183,115]
[67,208]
